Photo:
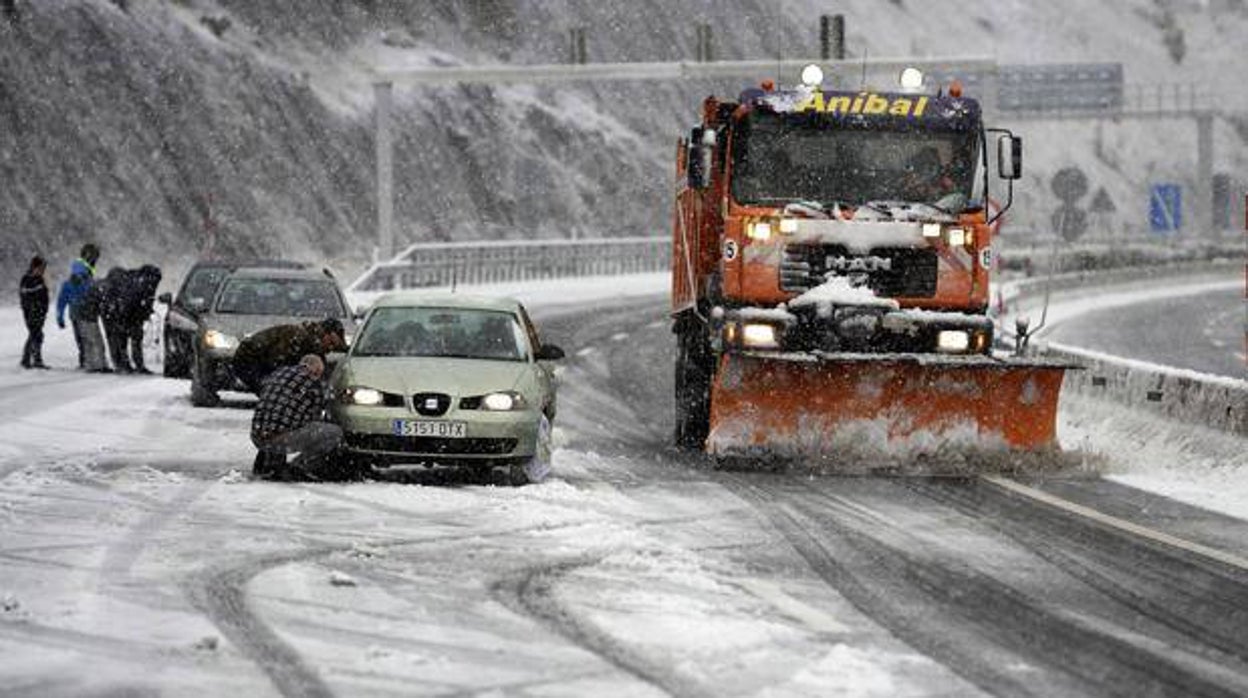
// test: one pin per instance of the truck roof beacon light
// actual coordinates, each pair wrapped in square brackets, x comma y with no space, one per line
[911,79]
[812,75]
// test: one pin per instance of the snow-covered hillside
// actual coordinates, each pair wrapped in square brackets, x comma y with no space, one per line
[131,122]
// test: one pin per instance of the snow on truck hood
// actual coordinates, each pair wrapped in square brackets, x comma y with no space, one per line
[462,377]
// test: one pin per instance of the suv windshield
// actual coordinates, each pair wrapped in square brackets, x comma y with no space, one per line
[787,157]
[445,332]
[202,285]
[290,297]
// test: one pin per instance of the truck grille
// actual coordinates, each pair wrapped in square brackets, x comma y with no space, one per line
[890,272]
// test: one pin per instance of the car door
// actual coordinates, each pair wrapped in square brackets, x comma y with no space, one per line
[544,370]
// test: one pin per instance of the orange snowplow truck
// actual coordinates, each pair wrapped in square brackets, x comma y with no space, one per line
[830,278]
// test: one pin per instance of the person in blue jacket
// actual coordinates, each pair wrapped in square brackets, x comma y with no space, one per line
[75,294]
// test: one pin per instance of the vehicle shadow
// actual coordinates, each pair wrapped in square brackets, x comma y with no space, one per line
[440,477]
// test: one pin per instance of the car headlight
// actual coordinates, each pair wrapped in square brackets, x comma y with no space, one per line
[362,396]
[220,340]
[503,402]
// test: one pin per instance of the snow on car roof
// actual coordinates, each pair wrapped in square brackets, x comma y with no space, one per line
[446,300]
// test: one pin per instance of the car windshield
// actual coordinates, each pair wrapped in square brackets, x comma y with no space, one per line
[443,332]
[202,285]
[290,297]
[786,158]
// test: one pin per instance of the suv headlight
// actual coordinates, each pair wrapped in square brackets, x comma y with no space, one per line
[220,340]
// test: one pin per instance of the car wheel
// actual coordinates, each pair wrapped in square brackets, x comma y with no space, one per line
[202,394]
[516,476]
[177,356]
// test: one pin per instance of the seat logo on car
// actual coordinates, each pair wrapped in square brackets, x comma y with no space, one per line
[851,264]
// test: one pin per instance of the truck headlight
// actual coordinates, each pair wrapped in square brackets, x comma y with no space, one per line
[506,401]
[953,341]
[759,230]
[956,237]
[363,396]
[757,335]
[220,340]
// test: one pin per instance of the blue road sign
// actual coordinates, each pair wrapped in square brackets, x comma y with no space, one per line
[1165,209]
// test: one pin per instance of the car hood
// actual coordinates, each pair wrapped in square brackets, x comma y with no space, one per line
[457,377]
[240,326]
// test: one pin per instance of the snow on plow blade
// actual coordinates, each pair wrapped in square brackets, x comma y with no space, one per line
[825,405]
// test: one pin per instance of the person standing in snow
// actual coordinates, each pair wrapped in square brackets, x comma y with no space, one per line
[108,295]
[137,296]
[289,419]
[33,292]
[282,345]
[83,311]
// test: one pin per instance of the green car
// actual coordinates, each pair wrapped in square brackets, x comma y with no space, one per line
[447,380]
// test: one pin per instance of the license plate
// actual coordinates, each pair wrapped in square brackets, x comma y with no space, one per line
[440,430]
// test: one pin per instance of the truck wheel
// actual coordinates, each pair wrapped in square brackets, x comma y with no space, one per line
[693,389]
[202,394]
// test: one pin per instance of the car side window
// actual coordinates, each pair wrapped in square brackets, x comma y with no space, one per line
[529,329]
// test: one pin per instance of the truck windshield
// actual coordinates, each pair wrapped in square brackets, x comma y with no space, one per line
[795,157]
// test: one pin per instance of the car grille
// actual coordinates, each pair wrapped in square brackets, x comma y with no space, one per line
[890,272]
[431,404]
[431,445]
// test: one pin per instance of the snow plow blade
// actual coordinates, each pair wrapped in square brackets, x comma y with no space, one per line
[825,405]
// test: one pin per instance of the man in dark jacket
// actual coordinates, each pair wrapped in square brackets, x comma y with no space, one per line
[137,300]
[288,419]
[33,292]
[283,345]
[83,310]
[125,298]
[107,296]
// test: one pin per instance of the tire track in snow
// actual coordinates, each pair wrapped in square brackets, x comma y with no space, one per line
[976,624]
[533,594]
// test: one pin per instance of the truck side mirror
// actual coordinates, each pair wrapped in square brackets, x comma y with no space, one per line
[1010,157]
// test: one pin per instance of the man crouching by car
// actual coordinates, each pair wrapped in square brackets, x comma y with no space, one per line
[289,419]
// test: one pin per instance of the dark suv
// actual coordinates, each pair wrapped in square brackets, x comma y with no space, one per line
[249,300]
[193,298]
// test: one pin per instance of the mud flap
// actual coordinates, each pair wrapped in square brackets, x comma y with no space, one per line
[803,405]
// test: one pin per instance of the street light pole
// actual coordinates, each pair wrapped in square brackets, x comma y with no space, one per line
[384,94]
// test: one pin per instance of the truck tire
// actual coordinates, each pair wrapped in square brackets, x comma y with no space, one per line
[694,369]
[202,394]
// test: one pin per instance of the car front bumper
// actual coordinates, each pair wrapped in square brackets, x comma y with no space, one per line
[490,439]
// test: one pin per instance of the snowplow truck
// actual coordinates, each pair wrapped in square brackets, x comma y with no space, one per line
[830,278]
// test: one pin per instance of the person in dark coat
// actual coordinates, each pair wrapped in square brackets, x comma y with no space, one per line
[33,292]
[125,298]
[108,296]
[84,310]
[138,296]
[283,345]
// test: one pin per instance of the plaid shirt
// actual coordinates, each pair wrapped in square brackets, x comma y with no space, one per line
[289,399]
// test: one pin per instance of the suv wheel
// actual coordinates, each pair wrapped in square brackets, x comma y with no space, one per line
[202,394]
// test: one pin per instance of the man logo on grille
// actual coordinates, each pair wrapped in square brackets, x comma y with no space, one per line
[859,264]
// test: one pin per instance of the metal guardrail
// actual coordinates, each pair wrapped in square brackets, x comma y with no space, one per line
[429,265]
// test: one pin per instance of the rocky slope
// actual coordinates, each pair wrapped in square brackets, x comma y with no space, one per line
[164,128]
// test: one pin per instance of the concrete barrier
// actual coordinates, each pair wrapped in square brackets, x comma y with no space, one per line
[1191,397]
[1217,402]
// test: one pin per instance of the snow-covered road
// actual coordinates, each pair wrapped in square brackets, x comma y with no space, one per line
[136,558]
